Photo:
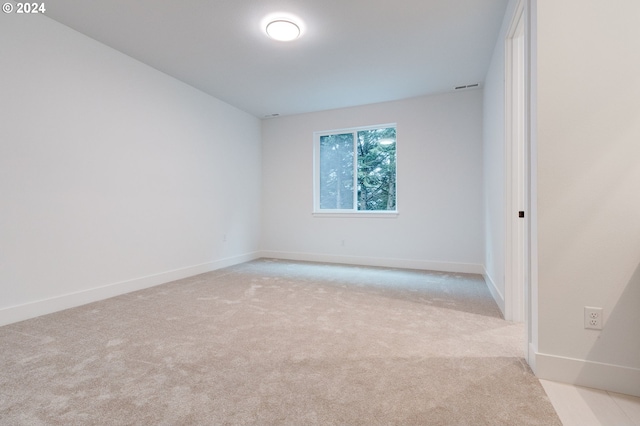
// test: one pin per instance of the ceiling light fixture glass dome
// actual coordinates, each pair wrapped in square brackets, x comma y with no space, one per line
[283,30]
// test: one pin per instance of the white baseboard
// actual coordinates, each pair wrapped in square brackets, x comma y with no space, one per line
[580,372]
[495,293]
[469,268]
[58,303]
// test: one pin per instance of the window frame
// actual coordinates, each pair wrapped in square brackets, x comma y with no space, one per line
[354,212]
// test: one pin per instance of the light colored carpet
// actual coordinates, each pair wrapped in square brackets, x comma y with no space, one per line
[276,342]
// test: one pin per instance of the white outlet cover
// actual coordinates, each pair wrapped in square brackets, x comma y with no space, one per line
[593,318]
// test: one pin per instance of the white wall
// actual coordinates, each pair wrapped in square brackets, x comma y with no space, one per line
[113,176]
[588,142]
[439,225]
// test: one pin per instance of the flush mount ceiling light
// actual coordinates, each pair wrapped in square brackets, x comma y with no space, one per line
[283,30]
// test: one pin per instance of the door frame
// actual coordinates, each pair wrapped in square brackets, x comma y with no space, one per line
[518,171]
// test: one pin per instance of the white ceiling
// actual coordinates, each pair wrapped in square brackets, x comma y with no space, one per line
[352,52]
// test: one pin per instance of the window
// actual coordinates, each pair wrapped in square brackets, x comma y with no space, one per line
[355,170]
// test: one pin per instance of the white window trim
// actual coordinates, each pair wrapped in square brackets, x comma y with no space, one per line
[341,213]
[386,214]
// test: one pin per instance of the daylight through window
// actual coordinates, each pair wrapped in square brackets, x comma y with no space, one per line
[355,170]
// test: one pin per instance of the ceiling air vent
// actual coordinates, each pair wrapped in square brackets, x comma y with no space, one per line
[468,86]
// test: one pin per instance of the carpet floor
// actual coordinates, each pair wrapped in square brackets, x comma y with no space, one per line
[274,342]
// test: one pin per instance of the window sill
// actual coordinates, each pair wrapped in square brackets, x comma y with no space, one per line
[373,214]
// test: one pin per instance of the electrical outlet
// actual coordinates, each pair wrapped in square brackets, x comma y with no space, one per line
[593,318]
